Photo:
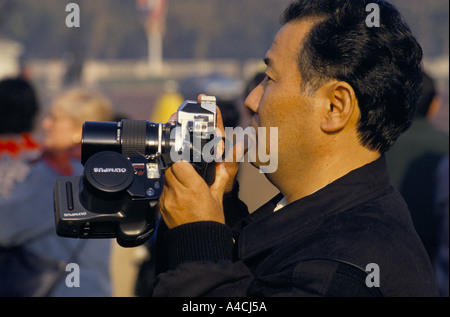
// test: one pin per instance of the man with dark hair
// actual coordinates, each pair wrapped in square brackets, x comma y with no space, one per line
[339,93]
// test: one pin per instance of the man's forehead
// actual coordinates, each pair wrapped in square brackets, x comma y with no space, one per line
[288,41]
[284,45]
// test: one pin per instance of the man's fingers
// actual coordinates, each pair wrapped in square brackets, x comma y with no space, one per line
[218,115]
[174,175]
[220,183]
[173,117]
[185,174]
[199,98]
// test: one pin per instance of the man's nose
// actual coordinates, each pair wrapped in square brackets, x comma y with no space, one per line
[253,99]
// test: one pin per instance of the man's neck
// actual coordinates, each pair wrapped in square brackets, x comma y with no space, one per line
[296,182]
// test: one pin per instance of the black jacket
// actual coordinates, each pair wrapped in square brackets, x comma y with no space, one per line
[325,244]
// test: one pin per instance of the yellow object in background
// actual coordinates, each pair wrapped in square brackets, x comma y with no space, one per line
[167,103]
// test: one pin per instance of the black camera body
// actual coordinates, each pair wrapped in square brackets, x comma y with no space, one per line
[123,176]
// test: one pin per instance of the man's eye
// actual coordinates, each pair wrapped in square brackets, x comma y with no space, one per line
[268,78]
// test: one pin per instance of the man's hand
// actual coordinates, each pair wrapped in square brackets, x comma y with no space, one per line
[187,198]
[234,155]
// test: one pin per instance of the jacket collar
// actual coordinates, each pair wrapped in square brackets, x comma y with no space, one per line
[265,229]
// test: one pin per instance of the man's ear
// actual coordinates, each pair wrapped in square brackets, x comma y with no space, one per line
[342,105]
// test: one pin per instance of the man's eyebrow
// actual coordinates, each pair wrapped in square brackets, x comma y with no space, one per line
[270,65]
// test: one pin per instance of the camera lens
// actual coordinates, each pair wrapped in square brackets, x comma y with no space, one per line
[128,137]
[106,177]
[109,172]
[97,137]
[134,134]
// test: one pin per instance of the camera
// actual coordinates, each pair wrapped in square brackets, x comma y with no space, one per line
[123,174]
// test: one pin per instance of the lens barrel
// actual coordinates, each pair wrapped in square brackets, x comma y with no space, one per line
[128,137]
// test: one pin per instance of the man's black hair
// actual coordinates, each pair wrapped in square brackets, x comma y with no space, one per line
[382,64]
[19,106]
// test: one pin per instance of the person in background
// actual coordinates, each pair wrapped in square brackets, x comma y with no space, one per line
[27,215]
[63,127]
[19,108]
[412,162]
[441,264]
[167,103]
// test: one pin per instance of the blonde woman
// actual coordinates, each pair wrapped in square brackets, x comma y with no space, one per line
[63,125]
